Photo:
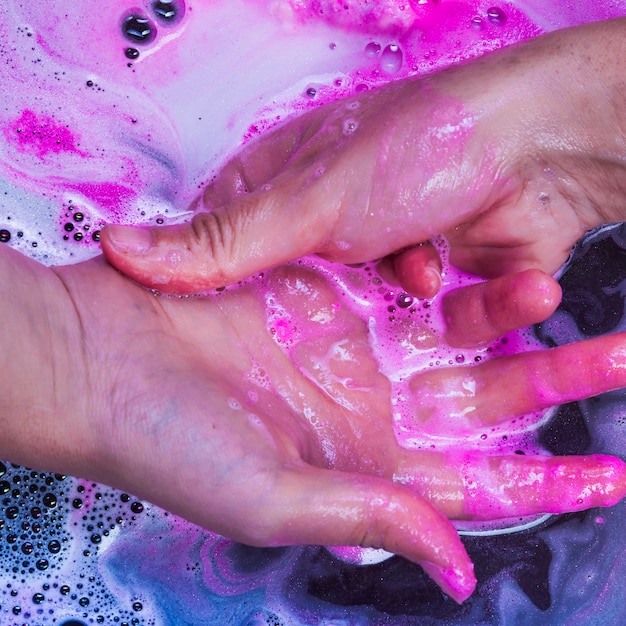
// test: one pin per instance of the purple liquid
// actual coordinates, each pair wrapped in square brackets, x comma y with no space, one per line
[89,128]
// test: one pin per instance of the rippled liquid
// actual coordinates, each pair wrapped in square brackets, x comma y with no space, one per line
[93,130]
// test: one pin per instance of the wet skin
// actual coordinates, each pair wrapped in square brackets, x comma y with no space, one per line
[267,407]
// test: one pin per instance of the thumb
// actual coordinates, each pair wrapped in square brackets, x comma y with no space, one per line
[310,505]
[254,232]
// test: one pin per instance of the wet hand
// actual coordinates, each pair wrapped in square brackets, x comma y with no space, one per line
[489,153]
[260,413]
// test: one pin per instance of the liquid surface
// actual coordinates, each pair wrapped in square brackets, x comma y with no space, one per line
[93,130]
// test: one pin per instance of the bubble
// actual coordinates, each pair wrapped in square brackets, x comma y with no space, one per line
[78,236]
[28,548]
[349,126]
[131,53]
[42,565]
[77,503]
[12,512]
[310,92]
[54,546]
[5,236]
[96,235]
[138,28]
[404,300]
[496,15]
[78,217]
[168,11]
[39,598]
[64,590]
[372,49]
[477,23]
[136,507]
[137,606]
[50,500]
[69,227]
[391,59]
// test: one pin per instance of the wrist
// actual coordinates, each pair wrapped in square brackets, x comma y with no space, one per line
[563,117]
[36,403]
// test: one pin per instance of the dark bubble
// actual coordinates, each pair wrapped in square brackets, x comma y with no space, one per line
[64,590]
[131,53]
[137,606]
[5,235]
[3,469]
[96,539]
[17,610]
[496,15]
[5,487]
[35,512]
[39,598]
[73,622]
[54,546]
[404,300]
[136,507]
[50,500]
[168,10]
[96,235]
[78,217]
[77,503]
[84,602]
[125,497]
[28,548]
[12,512]
[138,28]
[69,227]
[78,236]
[42,565]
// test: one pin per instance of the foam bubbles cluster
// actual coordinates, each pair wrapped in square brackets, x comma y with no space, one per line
[121,114]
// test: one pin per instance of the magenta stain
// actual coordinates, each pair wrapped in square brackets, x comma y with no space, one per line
[41,135]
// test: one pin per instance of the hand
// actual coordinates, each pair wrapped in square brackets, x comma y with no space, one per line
[260,413]
[512,156]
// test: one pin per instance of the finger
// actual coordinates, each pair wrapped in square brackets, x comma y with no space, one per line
[256,231]
[482,312]
[419,269]
[467,398]
[258,164]
[475,486]
[316,506]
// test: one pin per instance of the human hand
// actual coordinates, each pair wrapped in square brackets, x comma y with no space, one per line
[260,413]
[489,153]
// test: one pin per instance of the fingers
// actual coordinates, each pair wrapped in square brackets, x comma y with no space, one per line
[315,506]
[256,231]
[418,270]
[476,486]
[482,312]
[469,397]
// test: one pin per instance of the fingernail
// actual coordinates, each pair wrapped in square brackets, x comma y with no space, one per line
[129,239]
[433,271]
[458,584]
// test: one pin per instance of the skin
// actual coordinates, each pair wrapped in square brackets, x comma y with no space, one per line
[263,414]
[490,153]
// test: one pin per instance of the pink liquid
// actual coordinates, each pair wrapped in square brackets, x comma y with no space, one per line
[88,131]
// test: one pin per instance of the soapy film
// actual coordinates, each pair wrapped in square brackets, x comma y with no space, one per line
[94,131]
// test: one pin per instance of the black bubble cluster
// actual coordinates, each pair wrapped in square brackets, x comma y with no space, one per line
[40,535]
[141,29]
[78,226]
